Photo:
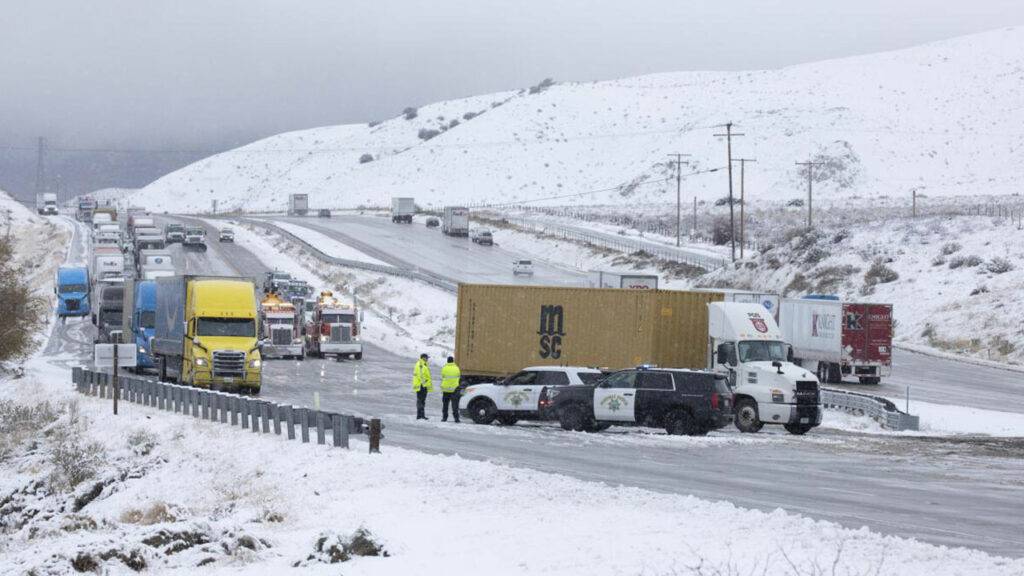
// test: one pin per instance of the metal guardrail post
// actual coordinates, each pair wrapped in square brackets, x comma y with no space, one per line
[303,414]
[244,412]
[265,416]
[289,419]
[194,397]
[275,415]
[236,409]
[320,435]
[375,436]
[336,425]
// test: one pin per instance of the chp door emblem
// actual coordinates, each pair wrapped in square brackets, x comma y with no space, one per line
[516,397]
[614,403]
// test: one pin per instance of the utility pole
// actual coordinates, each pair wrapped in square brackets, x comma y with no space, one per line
[743,201]
[679,197]
[693,231]
[810,164]
[40,170]
[732,217]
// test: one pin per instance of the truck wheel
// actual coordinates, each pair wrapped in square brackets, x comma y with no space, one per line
[747,419]
[798,429]
[507,419]
[482,411]
[358,355]
[681,423]
[573,418]
[870,380]
[835,374]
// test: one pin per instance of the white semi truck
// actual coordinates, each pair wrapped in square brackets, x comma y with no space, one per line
[47,203]
[402,210]
[455,221]
[298,204]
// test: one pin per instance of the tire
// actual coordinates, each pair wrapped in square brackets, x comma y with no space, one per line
[870,380]
[797,429]
[747,419]
[835,374]
[681,423]
[822,372]
[482,411]
[162,370]
[358,355]
[574,419]
[507,419]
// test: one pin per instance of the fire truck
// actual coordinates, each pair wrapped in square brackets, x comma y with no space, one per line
[282,329]
[334,328]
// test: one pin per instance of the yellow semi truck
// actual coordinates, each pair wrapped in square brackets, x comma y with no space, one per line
[206,332]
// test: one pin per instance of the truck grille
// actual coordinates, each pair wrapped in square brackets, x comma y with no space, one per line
[806,392]
[71,304]
[281,336]
[341,333]
[228,363]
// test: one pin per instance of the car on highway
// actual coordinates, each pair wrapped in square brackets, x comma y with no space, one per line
[682,401]
[483,237]
[174,232]
[433,222]
[195,238]
[524,267]
[323,213]
[516,397]
[226,235]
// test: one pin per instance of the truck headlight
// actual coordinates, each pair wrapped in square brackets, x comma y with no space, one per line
[296,340]
[202,362]
[142,349]
[255,363]
[323,338]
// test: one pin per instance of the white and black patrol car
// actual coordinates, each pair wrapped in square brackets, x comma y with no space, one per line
[690,402]
[516,397]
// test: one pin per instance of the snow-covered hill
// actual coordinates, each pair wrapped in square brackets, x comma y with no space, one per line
[944,116]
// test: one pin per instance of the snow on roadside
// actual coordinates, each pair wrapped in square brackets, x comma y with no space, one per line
[403,316]
[936,420]
[178,494]
[326,244]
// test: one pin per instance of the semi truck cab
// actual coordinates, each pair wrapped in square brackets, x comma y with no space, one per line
[747,347]
[144,322]
[72,289]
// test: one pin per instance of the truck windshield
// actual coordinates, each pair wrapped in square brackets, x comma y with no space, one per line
[338,318]
[279,321]
[245,327]
[147,319]
[762,351]
[71,288]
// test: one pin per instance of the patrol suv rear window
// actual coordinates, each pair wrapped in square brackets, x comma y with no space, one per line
[655,381]
[590,377]
[554,379]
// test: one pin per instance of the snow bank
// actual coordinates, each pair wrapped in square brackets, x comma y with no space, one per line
[180,495]
[326,244]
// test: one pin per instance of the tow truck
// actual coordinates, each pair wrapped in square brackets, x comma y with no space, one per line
[281,328]
[334,328]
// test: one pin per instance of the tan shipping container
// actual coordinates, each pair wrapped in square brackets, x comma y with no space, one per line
[501,328]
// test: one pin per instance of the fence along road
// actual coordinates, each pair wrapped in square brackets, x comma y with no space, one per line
[850,479]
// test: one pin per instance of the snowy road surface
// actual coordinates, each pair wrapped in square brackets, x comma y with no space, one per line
[952,491]
[415,245]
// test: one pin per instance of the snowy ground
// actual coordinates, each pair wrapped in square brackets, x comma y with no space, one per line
[327,244]
[184,496]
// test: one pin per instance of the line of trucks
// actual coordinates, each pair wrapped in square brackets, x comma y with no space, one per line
[454,219]
[207,331]
[689,361]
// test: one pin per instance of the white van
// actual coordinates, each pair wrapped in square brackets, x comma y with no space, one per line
[522,267]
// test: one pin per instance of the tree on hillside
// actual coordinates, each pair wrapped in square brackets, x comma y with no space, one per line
[21,310]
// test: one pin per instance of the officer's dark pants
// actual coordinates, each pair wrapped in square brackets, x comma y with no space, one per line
[421,403]
[453,399]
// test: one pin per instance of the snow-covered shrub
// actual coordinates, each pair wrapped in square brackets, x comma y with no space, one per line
[979,290]
[19,422]
[331,548]
[879,273]
[828,279]
[373,123]
[155,513]
[964,261]
[795,202]
[366,158]
[799,284]
[141,442]
[542,86]
[453,123]
[950,248]
[74,461]
[21,310]
[721,231]
[938,261]
[410,113]
[999,265]
[427,133]
[470,115]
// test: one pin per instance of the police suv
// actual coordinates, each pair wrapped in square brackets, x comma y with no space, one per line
[690,402]
[516,397]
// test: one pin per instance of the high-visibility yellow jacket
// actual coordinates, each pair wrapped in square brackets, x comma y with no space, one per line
[450,375]
[421,377]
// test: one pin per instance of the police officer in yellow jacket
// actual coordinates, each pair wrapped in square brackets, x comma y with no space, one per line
[421,384]
[450,392]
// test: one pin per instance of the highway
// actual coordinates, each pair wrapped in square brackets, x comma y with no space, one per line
[956,492]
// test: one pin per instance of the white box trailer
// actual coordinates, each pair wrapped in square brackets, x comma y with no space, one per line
[600,279]
[455,221]
[298,204]
[767,299]
[402,209]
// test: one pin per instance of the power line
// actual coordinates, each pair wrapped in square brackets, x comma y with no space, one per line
[679,197]
[743,201]
[810,173]
[732,218]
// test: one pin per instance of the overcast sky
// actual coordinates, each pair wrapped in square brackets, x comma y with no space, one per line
[211,74]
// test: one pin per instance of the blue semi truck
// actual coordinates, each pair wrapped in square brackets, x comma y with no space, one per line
[144,322]
[72,289]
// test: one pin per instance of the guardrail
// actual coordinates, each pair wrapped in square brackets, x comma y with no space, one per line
[410,273]
[879,409]
[623,244]
[260,416]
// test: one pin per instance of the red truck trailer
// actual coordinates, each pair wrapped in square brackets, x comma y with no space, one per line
[836,339]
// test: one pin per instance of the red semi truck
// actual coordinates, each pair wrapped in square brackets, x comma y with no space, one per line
[836,339]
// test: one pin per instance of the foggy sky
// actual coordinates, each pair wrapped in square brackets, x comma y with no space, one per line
[184,77]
